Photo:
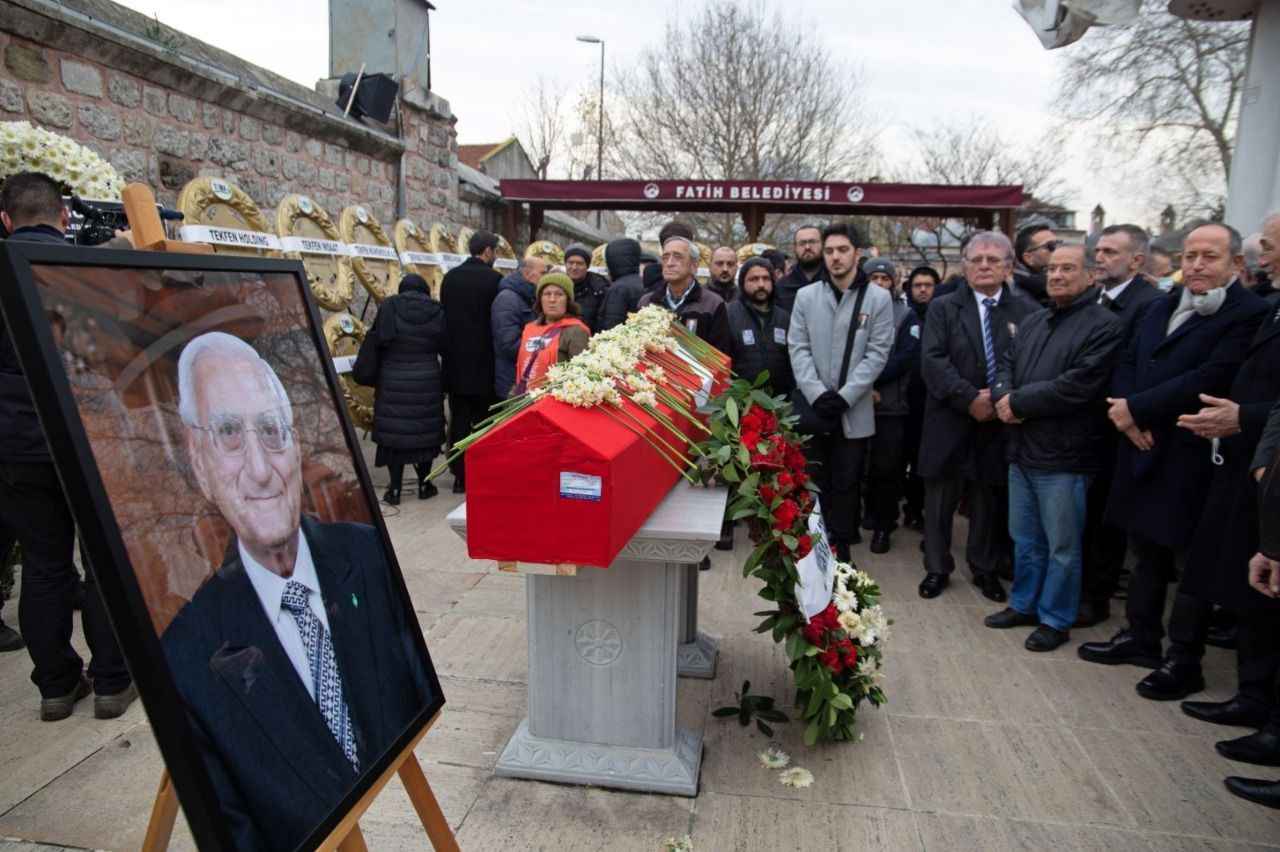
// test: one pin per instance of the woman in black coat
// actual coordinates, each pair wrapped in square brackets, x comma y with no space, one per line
[400,358]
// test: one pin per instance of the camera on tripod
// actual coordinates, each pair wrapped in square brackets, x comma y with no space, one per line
[96,222]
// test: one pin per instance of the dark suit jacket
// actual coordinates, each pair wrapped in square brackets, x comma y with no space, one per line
[1228,532]
[953,363]
[275,767]
[467,295]
[1159,493]
[1130,304]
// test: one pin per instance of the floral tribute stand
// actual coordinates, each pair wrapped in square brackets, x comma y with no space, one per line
[602,658]
[572,484]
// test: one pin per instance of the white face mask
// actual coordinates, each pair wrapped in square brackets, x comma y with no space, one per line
[1207,304]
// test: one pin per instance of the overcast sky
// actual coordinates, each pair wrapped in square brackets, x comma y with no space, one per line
[925,61]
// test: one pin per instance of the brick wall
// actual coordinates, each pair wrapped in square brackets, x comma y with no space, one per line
[166,109]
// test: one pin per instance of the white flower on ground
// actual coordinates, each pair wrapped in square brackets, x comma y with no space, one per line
[678,844]
[774,758]
[796,776]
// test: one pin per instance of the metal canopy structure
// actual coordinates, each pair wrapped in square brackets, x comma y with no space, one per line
[753,200]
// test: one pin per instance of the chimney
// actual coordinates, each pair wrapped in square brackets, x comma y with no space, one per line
[1097,220]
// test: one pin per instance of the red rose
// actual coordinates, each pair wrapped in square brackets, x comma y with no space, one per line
[786,482]
[831,659]
[849,652]
[767,493]
[784,516]
[750,439]
[813,632]
[804,545]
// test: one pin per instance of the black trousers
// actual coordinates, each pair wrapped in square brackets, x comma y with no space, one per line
[465,411]
[1105,546]
[988,538]
[1257,644]
[397,474]
[913,489]
[835,464]
[887,473]
[32,504]
[1155,567]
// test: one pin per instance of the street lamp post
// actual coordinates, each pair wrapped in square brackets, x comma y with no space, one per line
[590,39]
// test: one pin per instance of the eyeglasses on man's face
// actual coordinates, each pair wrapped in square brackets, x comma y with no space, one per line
[230,433]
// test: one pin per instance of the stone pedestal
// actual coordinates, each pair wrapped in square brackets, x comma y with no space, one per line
[696,656]
[602,659]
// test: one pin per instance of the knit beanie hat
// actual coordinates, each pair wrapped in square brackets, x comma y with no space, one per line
[881,265]
[580,250]
[558,279]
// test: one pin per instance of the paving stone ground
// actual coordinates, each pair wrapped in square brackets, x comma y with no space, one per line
[982,745]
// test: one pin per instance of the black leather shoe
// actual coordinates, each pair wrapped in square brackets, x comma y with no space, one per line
[880,542]
[1009,617]
[1260,749]
[10,639]
[1221,637]
[843,552]
[427,489]
[705,564]
[392,497]
[1045,638]
[1255,790]
[933,584]
[991,588]
[459,487]
[1092,613]
[1172,681]
[1121,650]
[1239,712]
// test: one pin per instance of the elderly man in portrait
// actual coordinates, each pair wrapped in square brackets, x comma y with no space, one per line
[295,659]
[1049,394]
[962,448]
[1187,344]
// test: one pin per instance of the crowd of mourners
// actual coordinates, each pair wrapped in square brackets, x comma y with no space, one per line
[1106,413]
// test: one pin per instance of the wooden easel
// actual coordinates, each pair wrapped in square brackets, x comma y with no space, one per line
[346,836]
[147,234]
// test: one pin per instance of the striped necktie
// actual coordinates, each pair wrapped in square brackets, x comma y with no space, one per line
[324,669]
[988,342]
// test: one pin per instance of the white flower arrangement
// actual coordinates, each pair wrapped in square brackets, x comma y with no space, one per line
[678,844]
[796,777]
[24,148]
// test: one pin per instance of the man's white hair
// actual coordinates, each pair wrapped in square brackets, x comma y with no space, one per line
[694,252]
[990,238]
[221,343]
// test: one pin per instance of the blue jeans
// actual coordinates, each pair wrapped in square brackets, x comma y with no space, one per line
[1046,521]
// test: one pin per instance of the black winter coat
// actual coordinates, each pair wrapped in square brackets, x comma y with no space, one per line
[903,366]
[622,256]
[1227,536]
[1159,494]
[1056,373]
[467,296]
[953,363]
[702,312]
[21,438]
[1130,304]
[590,293]
[759,342]
[400,357]
[786,287]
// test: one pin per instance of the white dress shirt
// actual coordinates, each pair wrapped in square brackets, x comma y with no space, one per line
[1114,292]
[270,589]
[982,309]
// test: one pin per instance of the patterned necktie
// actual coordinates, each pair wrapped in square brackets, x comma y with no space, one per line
[324,669]
[988,343]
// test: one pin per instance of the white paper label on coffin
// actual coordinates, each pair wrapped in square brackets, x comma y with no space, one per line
[373,252]
[420,258]
[228,237]
[816,569]
[314,245]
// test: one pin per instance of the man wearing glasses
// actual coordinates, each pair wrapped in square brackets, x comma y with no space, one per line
[294,659]
[1034,244]
[807,269]
[962,449]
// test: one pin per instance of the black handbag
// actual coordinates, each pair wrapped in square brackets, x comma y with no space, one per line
[811,422]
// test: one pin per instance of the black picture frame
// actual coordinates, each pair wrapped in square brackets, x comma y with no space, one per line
[32,335]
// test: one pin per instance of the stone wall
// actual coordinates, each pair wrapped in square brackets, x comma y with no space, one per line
[164,108]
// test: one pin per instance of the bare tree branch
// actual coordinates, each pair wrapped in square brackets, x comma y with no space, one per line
[543,132]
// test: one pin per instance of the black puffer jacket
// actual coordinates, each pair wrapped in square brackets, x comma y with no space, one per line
[21,438]
[400,357]
[622,256]
[590,294]
[1055,371]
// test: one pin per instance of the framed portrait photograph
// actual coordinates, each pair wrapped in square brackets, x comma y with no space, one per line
[223,501]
